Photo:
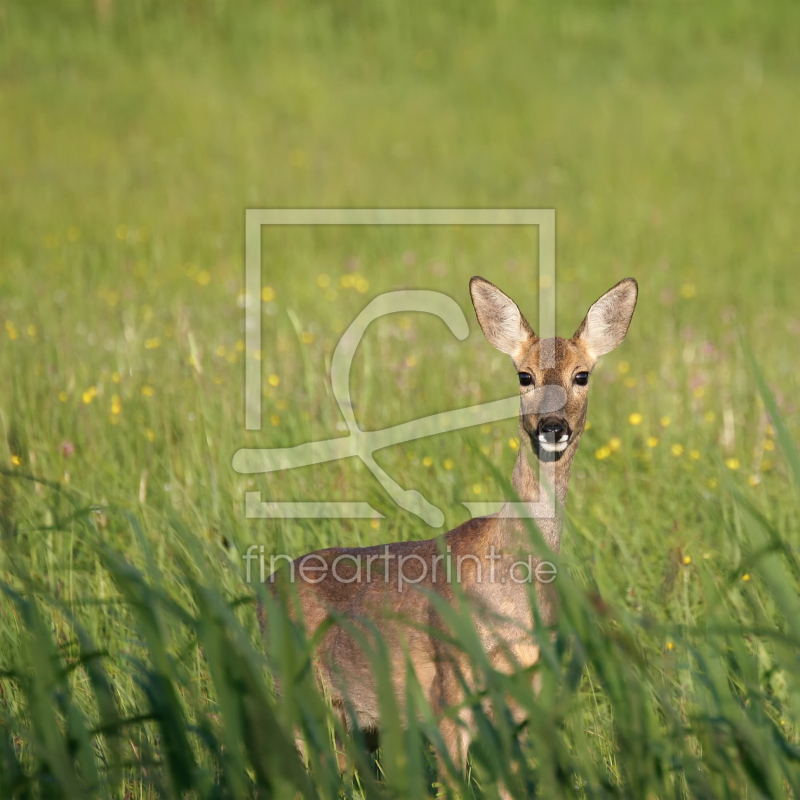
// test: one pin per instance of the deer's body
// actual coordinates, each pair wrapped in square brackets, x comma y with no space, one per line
[391,583]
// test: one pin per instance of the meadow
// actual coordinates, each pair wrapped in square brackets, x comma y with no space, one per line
[133,136]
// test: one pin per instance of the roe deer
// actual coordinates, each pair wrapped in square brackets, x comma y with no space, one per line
[553,378]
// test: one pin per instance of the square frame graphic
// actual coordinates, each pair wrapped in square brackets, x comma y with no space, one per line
[255,218]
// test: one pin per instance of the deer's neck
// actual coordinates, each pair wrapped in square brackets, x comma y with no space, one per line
[542,485]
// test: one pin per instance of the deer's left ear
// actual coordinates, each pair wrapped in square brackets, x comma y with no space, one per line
[608,319]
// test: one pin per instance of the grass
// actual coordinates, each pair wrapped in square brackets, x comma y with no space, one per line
[133,138]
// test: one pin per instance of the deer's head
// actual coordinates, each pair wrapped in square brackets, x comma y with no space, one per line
[553,399]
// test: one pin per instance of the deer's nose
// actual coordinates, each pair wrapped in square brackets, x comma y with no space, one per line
[553,429]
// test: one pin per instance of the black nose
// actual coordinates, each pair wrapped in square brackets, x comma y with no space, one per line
[552,429]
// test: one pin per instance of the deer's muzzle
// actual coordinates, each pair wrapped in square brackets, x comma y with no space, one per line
[553,434]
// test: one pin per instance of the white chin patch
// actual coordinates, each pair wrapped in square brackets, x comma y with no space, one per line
[554,447]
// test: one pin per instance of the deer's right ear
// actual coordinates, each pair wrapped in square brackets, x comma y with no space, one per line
[501,321]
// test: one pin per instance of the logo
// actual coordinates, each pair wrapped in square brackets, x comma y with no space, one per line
[363,444]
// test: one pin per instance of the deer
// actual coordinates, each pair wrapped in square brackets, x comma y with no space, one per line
[554,377]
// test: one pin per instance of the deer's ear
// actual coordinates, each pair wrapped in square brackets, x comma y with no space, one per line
[608,319]
[500,319]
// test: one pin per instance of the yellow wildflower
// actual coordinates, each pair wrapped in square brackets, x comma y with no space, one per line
[122,232]
[267,294]
[203,277]
[116,405]
[733,463]
[602,453]
[652,441]
[150,434]
[753,480]
[624,367]
[677,450]
[427,461]
[513,443]
[411,361]
[15,460]
[448,464]
[630,383]
[89,395]
[688,290]
[746,576]
[614,444]
[694,455]
[687,560]
[148,391]
[274,420]
[11,329]
[306,337]
[769,445]
[323,281]
[116,377]
[152,344]
[274,380]
[709,416]
[240,345]
[664,421]
[63,396]
[635,418]
[477,488]
[670,646]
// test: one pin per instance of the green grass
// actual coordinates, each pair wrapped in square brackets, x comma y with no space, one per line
[132,141]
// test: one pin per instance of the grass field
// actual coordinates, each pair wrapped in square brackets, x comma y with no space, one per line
[133,136]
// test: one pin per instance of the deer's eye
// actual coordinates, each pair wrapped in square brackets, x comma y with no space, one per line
[525,378]
[582,378]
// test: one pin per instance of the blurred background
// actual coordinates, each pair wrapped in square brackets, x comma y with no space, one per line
[135,135]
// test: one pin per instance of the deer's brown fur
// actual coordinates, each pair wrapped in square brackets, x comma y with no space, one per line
[501,610]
